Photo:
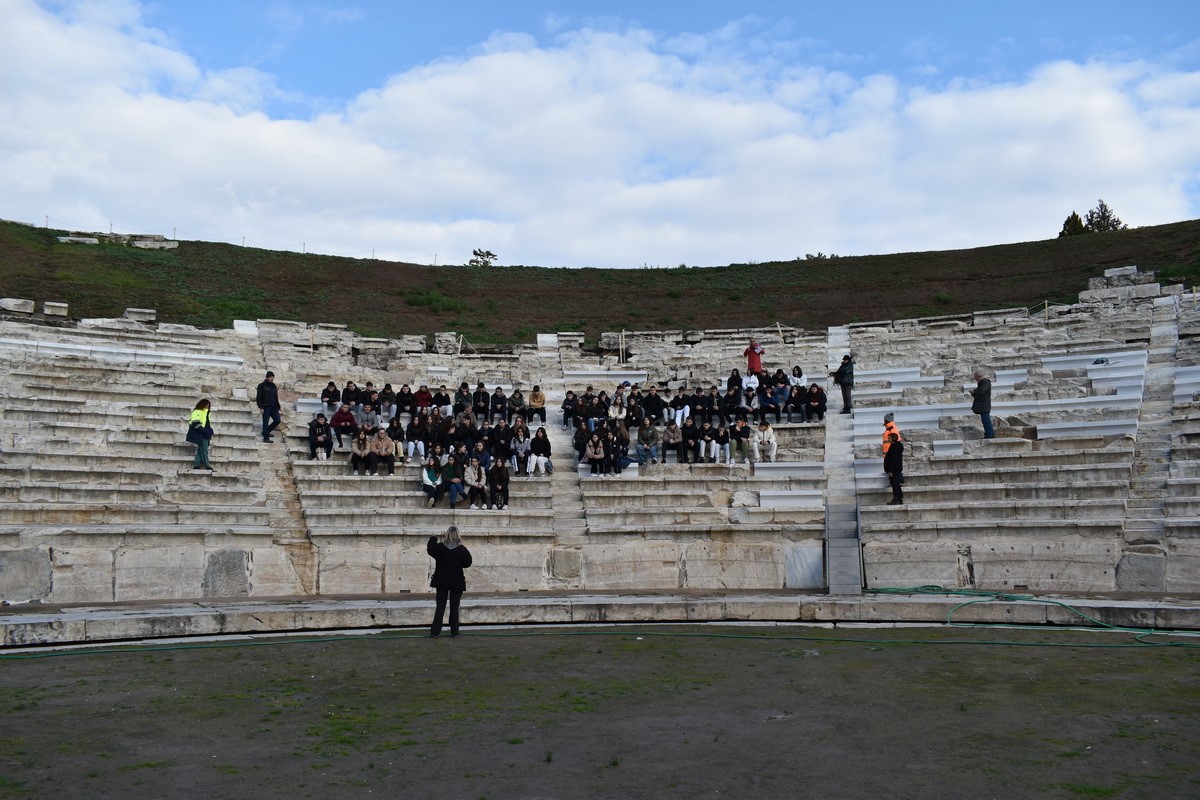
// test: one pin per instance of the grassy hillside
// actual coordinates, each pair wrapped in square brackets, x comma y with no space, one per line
[211,284]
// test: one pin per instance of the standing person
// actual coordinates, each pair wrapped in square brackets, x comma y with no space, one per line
[267,399]
[200,433]
[889,427]
[982,404]
[893,465]
[754,354]
[450,558]
[844,377]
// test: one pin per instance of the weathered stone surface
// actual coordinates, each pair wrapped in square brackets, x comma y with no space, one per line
[17,305]
[507,568]
[54,309]
[141,314]
[909,564]
[283,570]
[723,565]
[1142,572]
[1183,565]
[445,342]
[158,573]
[651,565]
[82,574]
[24,575]
[227,573]
[566,565]
[350,570]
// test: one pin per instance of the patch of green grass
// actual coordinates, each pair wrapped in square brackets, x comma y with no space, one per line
[143,765]
[1090,790]
[435,300]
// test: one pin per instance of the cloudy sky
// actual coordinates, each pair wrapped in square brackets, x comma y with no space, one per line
[692,132]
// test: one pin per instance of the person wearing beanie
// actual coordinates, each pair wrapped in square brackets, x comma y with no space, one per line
[267,399]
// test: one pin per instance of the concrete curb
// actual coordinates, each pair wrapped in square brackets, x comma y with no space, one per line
[35,625]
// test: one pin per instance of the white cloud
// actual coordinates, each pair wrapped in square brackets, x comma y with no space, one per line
[609,147]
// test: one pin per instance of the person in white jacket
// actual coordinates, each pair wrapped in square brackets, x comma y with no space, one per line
[763,442]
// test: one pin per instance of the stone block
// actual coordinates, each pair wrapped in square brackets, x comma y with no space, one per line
[158,573]
[758,609]
[185,622]
[1118,272]
[17,305]
[566,564]
[82,575]
[445,343]
[283,570]
[408,567]
[805,566]
[141,314]
[25,575]
[227,573]
[1142,572]
[54,309]
[633,565]
[350,570]
[507,568]
[1183,565]
[725,565]
[49,629]
[900,564]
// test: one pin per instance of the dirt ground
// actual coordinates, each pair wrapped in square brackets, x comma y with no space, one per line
[633,712]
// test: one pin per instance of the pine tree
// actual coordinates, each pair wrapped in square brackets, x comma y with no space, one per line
[1073,226]
[1101,219]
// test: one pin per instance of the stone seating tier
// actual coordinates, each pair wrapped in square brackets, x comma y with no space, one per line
[130,514]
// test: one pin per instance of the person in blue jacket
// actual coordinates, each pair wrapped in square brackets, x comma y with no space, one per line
[451,557]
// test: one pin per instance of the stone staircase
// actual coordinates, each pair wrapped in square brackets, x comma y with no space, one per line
[1143,559]
[843,549]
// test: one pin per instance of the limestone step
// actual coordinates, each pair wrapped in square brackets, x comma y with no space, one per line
[322,518]
[879,528]
[918,491]
[1011,509]
[130,514]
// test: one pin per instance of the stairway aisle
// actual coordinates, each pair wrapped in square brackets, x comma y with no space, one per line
[1142,565]
[843,550]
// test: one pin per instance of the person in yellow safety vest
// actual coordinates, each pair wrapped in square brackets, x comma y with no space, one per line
[889,427]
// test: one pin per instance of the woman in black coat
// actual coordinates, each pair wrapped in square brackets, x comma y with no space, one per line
[451,557]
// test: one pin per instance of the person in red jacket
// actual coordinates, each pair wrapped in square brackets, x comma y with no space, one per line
[450,557]
[754,354]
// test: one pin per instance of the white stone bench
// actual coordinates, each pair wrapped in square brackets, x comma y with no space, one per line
[948,447]
[603,376]
[1187,384]
[791,498]
[1085,360]
[1079,430]
[122,354]
[789,469]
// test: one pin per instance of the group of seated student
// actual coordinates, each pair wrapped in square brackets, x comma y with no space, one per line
[483,486]
[750,398]
[698,426]
[465,448]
